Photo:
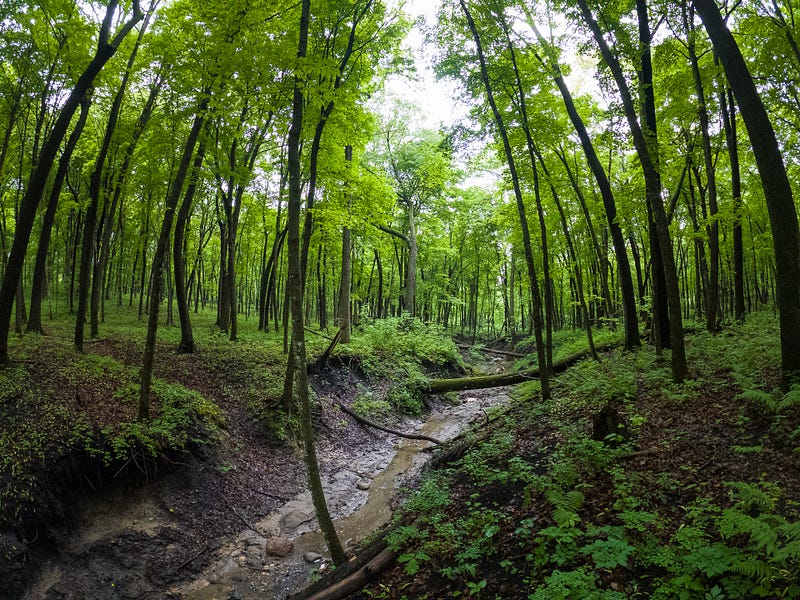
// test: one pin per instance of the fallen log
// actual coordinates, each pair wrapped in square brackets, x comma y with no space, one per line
[439,386]
[365,421]
[492,351]
[351,568]
[359,579]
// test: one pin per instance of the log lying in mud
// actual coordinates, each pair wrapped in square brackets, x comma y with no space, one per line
[352,583]
[354,574]
[439,386]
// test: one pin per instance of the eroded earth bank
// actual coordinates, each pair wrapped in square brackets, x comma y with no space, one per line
[242,525]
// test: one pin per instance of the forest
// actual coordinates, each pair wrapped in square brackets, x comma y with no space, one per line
[237,260]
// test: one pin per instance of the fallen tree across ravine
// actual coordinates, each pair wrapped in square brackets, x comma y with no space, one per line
[440,386]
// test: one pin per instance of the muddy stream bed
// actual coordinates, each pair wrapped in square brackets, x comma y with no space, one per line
[360,497]
[271,556]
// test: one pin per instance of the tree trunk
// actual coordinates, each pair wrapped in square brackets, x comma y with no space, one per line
[712,291]
[344,288]
[410,294]
[162,249]
[775,182]
[39,271]
[728,109]
[297,371]
[631,318]
[646,148]
[534,282]
[186,345]
[33,194]
[440,386]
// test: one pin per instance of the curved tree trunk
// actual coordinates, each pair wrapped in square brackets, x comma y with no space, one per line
[186,345]
[106,48]
[40,268]
[774,180]
[646,149]
[526,239]
[297,368]
[631,319]
[162,249]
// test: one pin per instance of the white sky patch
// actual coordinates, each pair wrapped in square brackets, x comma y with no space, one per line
[436,100]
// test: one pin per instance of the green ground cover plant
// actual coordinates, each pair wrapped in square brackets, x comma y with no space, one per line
[683,507]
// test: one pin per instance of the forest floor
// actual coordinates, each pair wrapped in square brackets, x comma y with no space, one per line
[696,495]
[182,509]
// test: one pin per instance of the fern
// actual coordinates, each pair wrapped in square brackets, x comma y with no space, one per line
[790,399]
[760,497]
[758,529]
[766,400]
[753,568]
[570,501]
[791,530]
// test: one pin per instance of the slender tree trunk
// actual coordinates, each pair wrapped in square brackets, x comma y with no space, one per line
[295,285]
[344,288]
[40,268]
[161,252]
[630,315]
[186,345]
[728,109]
[712,291]
[534,282]
[646,148]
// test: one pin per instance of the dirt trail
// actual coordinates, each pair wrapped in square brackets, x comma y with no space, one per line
[201,532]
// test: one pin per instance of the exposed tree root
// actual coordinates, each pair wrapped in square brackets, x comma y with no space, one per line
[360,419]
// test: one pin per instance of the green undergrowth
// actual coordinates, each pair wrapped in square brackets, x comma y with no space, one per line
[70,419]
[403,351]
[696,496]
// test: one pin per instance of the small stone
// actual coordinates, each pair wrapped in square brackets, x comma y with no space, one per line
[312,557]
[363,485]
[293,520]
[279,546]
[235,595]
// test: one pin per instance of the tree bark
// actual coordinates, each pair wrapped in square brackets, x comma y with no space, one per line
[344,288]
[162,249]
[440,386]
[186,345]
[712,229]
[106,48]
[774,180]
[728,109]
[534,281]
[296,370]
[40,268]
[647,150]
[630,316]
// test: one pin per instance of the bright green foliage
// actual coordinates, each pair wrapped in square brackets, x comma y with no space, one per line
[398,349]
[586,515]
